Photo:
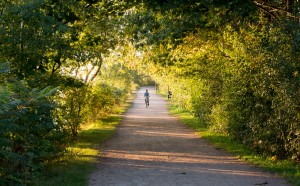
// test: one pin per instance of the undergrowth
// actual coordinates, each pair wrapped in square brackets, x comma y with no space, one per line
[75,168]
[284,168]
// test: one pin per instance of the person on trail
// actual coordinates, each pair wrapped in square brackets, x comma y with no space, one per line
[147,95]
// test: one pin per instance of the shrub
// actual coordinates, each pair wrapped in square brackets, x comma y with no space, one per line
[28,137]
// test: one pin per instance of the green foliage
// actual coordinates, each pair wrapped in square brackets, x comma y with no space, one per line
[75,169]
[47,43]
[236,69]
[69,113]
[29,137]
[78,105]
[28,36]
[285,168]
[102,101]
[263,106]
[233,64]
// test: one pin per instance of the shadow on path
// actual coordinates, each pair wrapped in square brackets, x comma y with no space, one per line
[153,148]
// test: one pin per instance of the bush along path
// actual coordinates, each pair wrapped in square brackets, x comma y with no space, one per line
[151,147]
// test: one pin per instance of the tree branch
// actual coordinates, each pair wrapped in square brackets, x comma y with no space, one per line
[270,8]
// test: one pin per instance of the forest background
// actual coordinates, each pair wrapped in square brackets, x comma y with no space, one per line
[234,64]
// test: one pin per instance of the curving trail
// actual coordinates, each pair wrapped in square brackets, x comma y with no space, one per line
[152,148]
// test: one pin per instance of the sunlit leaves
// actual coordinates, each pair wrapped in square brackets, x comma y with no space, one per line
[230,64]
[47,42]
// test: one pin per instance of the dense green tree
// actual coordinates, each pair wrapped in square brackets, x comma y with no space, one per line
[235,64]
[48,45]
[29,137]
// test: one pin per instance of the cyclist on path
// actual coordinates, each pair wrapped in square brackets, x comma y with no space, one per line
[147,95]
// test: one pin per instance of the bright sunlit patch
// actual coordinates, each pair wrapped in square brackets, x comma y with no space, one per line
[83,151]
[193,162]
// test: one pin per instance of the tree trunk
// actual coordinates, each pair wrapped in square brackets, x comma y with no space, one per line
[289,5]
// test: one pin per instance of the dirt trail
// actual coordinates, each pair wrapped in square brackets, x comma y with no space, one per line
[153,148]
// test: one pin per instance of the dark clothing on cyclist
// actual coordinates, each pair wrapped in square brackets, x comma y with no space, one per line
[147,95]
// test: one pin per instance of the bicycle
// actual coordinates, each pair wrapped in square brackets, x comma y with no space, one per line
[147,101]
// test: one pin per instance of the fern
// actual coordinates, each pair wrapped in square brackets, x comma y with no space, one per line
[4,68]
[28,135]
[47,91]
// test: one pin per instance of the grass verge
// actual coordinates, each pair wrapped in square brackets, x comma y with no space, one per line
[284,168]
[75,169]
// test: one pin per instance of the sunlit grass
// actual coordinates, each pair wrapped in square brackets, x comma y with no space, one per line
[287,169]
[75,168]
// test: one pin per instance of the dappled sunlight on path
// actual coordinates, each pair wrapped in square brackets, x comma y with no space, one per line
[153,148]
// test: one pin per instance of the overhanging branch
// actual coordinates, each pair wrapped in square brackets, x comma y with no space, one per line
[267,7]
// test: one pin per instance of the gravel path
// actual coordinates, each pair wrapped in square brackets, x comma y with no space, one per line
[152,148]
